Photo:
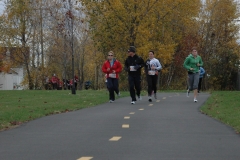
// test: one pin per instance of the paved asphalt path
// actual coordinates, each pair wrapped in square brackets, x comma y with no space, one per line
[171,128]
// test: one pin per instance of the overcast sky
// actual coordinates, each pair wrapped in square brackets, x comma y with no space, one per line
[1,7]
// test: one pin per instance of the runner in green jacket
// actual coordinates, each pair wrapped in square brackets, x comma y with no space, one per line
[192,64]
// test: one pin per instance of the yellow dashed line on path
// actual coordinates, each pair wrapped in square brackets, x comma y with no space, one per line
[150,105]
[132,113]
[126,117]
[158,101]
[164,98]
[85,158]
[141,109]
[125,126]
[116,138]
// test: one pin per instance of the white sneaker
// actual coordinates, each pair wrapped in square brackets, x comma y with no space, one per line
[188,93]
[155,95]
[139,98]
[195,100]
[133,102]
[119,94]
[111,101]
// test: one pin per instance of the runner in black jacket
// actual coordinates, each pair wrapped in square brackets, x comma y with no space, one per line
[133,65]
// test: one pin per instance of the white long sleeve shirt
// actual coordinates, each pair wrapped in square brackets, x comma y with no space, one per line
[155,62]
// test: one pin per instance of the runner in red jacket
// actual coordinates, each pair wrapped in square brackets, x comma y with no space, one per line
[54,81]
[112,68]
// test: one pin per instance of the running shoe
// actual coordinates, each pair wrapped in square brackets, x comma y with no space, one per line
[195,100]
[155,95]
[133,102]
[119,94]
[149,99]
[139,98]
[188,93]
[111,101]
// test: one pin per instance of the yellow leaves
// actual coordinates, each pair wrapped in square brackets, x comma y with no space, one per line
[5,67]
[147,24]
[17,9]
[221,9]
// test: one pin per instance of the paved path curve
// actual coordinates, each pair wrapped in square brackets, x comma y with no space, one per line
[171,128]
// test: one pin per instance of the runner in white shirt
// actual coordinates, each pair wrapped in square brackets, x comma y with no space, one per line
[152,66]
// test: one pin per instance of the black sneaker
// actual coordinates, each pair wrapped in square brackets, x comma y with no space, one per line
[149,99]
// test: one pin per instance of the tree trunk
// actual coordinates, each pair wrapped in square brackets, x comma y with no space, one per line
[96,77]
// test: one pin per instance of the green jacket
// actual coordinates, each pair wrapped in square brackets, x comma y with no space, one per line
[191,62]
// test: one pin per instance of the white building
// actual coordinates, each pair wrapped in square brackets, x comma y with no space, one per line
[11,80]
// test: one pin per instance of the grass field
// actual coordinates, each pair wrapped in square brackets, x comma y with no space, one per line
[17,107]
[224,106]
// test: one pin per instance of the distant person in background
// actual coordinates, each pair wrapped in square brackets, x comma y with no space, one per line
[46,84]
[65,83]
[201,74]
[70,84]
[60,85]
[76,81]
[152,66]
[54,80]
[58,81]
[112,68]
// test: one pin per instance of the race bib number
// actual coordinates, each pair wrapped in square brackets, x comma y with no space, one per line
[151,72]
[132,68]
[112,75]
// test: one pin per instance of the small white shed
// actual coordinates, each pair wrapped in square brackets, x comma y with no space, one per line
[11,80]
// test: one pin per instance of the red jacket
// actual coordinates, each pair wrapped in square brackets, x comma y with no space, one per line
[71,82]
[117,67]
[75,79]
[54,79]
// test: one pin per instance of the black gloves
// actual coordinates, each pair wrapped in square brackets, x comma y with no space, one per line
[137,67]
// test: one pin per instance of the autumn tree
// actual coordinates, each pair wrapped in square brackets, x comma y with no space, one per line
[220,51]
[65,18]
[147,24]
[43,29]
[16,25]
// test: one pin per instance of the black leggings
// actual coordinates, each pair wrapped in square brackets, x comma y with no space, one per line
[152,84]
[112,85]
[134,84]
